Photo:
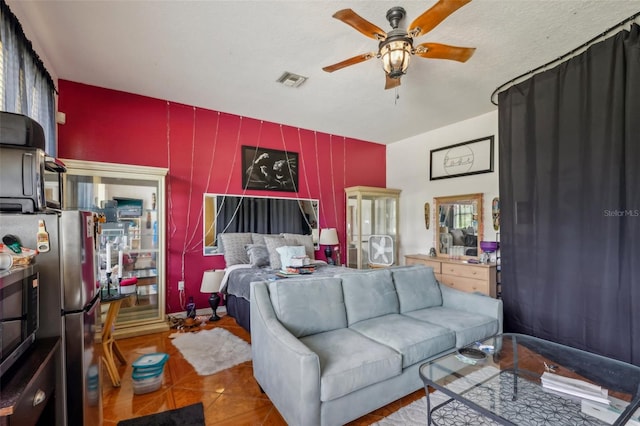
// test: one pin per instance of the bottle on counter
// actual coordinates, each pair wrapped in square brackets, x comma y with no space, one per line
[42,239]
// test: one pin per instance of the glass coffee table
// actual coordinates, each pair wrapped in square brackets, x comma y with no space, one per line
[500,381]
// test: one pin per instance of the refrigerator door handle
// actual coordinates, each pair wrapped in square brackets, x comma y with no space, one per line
[93,305]
[39,397]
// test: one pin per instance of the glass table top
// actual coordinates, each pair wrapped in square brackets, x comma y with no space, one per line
[514,380]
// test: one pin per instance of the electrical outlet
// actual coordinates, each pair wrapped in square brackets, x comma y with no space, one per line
[180,285]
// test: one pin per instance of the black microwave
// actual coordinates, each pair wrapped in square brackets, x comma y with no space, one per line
[19,317]
[30,181]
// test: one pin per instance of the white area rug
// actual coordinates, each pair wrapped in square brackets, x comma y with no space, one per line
[211,351]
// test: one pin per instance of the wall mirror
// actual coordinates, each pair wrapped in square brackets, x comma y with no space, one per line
[264,215]
[459,227]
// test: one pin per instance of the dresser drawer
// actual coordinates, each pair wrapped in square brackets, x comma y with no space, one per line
[30,390]
[459,275]
[36,396]
[466,284]
[466,270]
[426,262]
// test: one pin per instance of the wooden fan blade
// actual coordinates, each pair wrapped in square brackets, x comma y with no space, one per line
[356,21]
[433,16]
[443,51]
[391,82]
[350,61]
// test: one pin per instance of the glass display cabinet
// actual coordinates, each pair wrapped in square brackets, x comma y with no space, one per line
[372,226]
[130,249]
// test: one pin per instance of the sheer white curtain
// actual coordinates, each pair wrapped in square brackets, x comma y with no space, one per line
[25,85]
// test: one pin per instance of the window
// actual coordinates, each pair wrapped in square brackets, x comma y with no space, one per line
[463,215]
[25,84]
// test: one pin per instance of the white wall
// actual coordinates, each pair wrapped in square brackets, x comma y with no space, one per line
[408,170]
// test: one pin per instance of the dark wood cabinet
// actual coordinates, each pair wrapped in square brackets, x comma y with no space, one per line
[28,389]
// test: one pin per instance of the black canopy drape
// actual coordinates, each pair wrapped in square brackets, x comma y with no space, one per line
[570,200]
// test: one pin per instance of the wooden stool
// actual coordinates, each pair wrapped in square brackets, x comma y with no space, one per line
[109,345]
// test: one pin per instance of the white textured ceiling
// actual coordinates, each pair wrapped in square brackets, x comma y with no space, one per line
[227,55]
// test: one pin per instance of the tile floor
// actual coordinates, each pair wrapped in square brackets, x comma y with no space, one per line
[230,397]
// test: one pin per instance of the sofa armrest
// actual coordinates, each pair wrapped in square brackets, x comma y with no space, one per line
[286,369]
[472,302]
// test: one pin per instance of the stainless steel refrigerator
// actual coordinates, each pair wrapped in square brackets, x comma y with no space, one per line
[69,303]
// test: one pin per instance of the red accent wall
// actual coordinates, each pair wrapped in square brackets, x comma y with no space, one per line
[201,149]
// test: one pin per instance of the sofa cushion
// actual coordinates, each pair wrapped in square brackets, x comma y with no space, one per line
[308,306]
[412,338]
[369,295]
[469,327]
[417,288]
[349,361]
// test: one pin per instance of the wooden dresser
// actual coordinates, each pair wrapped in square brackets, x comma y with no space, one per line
[471,277]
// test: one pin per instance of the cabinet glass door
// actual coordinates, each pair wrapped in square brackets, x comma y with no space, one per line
[372,222]
[131,246]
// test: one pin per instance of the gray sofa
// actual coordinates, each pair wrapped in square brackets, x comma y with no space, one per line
[329,350]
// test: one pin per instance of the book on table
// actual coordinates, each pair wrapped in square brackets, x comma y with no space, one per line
[574,387]
[296,270]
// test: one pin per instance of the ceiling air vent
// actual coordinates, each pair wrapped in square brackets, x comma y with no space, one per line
[291,80]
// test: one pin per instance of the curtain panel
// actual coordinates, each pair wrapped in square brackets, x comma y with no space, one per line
[25,85]
[261,215]
[570,200]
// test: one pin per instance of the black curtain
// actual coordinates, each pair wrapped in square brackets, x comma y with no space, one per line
[570,201]
[261,215]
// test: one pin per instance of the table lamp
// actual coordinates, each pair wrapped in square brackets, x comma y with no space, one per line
[487,248]
[329,238]
[211,281]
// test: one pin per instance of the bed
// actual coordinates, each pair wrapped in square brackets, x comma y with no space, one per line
[255,257]
[237,286]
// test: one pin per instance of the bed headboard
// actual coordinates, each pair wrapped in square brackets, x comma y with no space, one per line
[267,215]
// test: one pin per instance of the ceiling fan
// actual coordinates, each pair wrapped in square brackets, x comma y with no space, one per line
[396,47]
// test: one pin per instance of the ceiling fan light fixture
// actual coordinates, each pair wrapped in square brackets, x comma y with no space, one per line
[395,47]
[396,55]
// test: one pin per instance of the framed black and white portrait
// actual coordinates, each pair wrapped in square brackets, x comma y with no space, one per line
[269,169]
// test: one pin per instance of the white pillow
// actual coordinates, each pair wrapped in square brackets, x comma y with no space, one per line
[287,252]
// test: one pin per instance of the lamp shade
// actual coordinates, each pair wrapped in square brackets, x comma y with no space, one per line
[211,281]
[329,237]
[395,57]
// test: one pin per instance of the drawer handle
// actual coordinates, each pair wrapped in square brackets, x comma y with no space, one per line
[39,397]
